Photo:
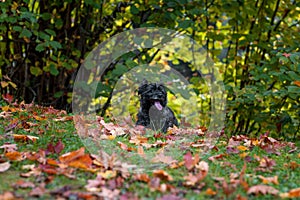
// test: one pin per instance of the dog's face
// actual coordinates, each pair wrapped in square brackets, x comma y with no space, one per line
[153,94]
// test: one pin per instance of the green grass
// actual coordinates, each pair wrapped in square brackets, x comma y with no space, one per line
[50,131]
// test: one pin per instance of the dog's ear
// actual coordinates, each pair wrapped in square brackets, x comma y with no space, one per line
[142,87]
[144,82]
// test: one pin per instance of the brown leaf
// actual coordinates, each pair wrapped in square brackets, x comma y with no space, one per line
[216,157]
[38,191]
[142,177]
[23,184]
[163,158]
[190,179]
[94,185]
[163,175]
[4,166]
[262,189]
[25,138]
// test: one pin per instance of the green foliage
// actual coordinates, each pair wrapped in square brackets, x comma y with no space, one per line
[255,45]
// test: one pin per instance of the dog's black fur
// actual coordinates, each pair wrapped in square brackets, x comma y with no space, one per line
[153,104]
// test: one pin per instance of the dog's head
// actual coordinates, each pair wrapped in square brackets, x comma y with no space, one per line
[153,94]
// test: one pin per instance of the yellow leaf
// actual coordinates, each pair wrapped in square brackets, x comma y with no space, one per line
[242,148]
[243,155]
[13,84]
[111,137]
[4,84]
[108,174]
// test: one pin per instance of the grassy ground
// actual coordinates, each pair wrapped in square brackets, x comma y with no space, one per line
[52,165]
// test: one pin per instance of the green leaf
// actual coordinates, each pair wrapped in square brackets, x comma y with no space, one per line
[294,89]
[130,63]
[58,94]
[184,24]
[50,32]
[40,47]
[53,70]
[134,10]
[119,70]
[44,36]
[36,71]
[17,28]
[55,45]
[46,16]
[25,33]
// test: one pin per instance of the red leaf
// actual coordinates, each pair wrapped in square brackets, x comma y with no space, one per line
[8,98]
[189,161]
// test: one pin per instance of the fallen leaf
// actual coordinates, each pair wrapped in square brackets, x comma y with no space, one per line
[25,138]
[8,98]
[163,175]
[15,155]
[268,180]
[163,158]
[4,166]
[294,193]
[8,196]
[9,147]
[190,161]
[72,155]
[242,148]
[262,189]
[142,177]
[210,192]
[108,174]
[23,184]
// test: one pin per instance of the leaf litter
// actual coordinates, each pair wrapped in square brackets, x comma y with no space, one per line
[108,177]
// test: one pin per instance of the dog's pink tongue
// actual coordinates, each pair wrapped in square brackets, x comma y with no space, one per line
[158,105]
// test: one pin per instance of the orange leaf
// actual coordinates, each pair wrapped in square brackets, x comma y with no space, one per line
[68,157]
[142,177]
[291,194]
[242,148]
[210,192]
[25,138]
[297,83]
[83,162]
[15,155]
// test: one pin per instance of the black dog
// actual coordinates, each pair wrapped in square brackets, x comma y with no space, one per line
[154,112]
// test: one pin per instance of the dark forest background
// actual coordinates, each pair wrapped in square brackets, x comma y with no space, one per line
[254,43]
